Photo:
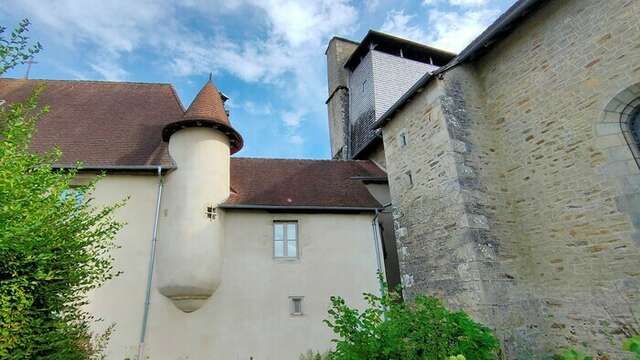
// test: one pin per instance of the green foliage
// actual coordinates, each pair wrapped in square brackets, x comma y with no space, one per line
[310,355]
[15,49]
[391,329]
[572,354]
[632,344]
[54,248]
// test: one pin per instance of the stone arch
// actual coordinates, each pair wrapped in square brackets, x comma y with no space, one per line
[619,115]
[614,136]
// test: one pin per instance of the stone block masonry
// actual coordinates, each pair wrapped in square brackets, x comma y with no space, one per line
[517,195]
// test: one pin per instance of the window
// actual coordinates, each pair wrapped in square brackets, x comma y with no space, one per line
[409,178]
[210,212]
[295,307]
[403,138]
[73,192]
[363,85]
[635,128]
[285,239]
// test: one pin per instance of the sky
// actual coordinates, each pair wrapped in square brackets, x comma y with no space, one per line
[266,55]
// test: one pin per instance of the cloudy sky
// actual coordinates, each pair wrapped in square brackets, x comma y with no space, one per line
[266,55]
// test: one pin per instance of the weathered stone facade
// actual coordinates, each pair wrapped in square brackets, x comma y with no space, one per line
[517,195]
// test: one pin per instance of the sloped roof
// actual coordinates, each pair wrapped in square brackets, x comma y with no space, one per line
[113,124]
[206,110]
[274,183]
[101,123]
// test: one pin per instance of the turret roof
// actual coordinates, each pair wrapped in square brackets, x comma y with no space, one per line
[206,110]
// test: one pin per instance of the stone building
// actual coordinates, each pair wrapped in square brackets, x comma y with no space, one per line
[221,257]
[514,172]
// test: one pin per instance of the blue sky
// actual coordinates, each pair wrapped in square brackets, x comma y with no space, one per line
[266,55]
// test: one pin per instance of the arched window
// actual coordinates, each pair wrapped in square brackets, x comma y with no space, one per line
[634,127]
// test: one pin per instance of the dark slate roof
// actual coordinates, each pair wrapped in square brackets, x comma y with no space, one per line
[275,183]
[101,123]
[390,44]
[118,126]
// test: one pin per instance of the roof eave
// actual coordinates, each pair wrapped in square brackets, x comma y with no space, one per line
[294,208]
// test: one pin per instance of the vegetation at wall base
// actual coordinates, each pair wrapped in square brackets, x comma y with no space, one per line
[55,245]
[391,329]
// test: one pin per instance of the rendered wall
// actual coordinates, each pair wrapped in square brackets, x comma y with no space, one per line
[248,315]
[524,208]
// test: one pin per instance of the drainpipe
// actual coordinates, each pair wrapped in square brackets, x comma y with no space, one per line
[152,259]
[377,238]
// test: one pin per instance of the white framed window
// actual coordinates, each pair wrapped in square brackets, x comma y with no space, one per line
[295,305]
[285,239]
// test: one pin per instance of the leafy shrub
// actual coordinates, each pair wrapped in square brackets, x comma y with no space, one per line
[310,355]
[54,248]
[391,329]
[632,344]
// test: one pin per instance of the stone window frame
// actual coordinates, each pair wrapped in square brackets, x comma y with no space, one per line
[613,131]
[614,138]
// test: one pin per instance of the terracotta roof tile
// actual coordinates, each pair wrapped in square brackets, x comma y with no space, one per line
[206,110]
[107,124]
[302,183]
[101,123]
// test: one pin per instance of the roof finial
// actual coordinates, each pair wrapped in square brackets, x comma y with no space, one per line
[210,74]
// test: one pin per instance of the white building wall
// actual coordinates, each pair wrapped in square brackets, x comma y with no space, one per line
[393,76]
[248,315]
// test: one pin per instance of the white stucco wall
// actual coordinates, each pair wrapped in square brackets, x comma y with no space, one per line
[248,315]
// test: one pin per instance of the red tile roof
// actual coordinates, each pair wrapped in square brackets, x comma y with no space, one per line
[101,123]
[106,124]
[301,183]
[206,110]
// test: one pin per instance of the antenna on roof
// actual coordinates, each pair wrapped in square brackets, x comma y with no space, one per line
[210,74]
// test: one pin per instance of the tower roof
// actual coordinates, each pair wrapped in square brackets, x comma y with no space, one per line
[206,110]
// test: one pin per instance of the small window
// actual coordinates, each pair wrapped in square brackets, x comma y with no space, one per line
[295,305]
[409,178]
[285,239]
[363,85]
[403,138]
[74,192]
[211,212]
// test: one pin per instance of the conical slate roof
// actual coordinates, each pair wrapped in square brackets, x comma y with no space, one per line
[206,110]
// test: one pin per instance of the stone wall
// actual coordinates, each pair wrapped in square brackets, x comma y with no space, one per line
[525,206]
[337,54]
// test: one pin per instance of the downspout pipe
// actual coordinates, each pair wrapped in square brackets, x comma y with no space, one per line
[377,238]
[152,259]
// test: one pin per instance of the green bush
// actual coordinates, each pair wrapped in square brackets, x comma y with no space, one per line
[54,243]
[391,329]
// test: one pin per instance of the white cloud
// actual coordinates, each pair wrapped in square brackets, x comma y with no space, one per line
[296,139]
[468,2]
[454,31]
[449,30]
[398,23]
[109,70]
[292,118]
[461,3]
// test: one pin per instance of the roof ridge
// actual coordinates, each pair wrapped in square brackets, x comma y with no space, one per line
[299,159]
[92,81]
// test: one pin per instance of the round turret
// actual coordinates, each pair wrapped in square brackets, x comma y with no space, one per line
[191,233]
